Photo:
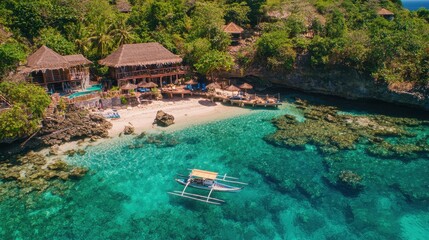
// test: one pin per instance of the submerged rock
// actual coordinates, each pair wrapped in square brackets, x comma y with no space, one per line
[163,119]
[32,172]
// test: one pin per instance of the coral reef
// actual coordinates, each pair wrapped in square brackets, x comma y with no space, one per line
[33,172]
[331,132]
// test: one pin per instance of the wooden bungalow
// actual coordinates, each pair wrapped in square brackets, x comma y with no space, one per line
[234,30]
[56,72]
[144,62]
[386,14]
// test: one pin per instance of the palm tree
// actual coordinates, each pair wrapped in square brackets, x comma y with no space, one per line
[121,32]
[101,38]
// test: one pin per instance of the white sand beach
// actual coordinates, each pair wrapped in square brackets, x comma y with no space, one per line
[187,112]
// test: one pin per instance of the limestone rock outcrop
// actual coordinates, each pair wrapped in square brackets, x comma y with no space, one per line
[163,119]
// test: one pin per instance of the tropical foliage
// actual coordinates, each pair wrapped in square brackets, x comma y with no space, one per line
[28,103]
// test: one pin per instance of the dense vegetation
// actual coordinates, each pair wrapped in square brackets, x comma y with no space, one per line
[28,104]
[346,33]
[333,34]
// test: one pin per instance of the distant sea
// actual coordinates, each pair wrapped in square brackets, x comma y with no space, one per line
[414,5]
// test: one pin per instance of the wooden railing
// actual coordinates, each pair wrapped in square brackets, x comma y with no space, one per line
[152,72]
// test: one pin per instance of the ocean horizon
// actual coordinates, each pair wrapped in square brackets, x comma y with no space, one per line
[415,5]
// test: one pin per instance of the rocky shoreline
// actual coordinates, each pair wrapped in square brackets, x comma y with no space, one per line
[23,171]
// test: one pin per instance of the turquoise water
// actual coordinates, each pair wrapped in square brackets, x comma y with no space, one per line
[124,196]
[89,90]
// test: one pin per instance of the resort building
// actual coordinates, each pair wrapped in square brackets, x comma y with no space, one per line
[386,14]
[144,62]
[234,30]
[55,72]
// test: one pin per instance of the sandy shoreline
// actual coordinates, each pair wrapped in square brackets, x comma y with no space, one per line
[187,112]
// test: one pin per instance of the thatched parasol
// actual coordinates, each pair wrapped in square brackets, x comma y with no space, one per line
[214,86]
[245,86]
[129,86]
[232,88]
[148,85]
[191,82]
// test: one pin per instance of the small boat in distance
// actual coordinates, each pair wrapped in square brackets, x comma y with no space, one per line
[209,181]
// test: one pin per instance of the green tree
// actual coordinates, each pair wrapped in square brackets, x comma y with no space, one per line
[196,49]
[11,54]
[214,61]
[29,103]
[237,12]
[336,25]
[57,42]
[207,22]
[276,49]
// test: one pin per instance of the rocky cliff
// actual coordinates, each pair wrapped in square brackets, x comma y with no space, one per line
[343,83]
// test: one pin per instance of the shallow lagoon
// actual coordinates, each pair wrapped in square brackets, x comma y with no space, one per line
[124,195]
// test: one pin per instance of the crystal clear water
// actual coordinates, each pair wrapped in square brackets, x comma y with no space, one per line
[124,196]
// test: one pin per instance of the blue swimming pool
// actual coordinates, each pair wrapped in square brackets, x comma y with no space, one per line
[89,90]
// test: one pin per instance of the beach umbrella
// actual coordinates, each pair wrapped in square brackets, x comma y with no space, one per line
[245,86]
[232,88]
[191,82]
[148,85]
[129,86]
[214,85]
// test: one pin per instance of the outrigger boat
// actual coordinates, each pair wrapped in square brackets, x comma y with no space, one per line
[206,180]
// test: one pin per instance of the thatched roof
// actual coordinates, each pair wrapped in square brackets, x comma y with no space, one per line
[140,54]
[129,86]
[123,6]
[245,86]
[232,88]
[385,12]
[148,85]
[77,59]
[47,59]
[232,28]
[214,85]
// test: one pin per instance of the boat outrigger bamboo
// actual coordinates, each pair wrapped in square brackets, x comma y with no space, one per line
[206,180]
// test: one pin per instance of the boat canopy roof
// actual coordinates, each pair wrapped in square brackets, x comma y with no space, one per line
[203,174]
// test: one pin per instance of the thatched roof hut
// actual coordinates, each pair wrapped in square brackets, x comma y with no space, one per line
[232,88]
[147,85]
[140,54]
[385,12]
[129,86]
[233,28]
[47,59]
[245,86]
[214,85]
